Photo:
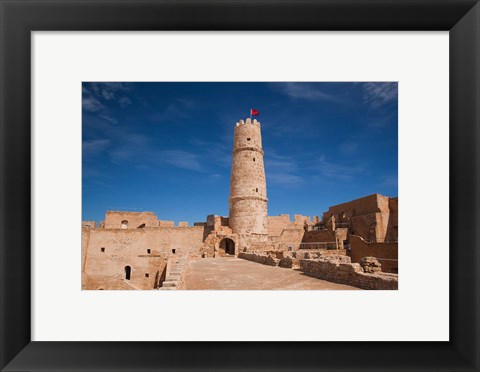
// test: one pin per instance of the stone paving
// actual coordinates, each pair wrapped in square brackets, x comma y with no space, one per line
[234,273]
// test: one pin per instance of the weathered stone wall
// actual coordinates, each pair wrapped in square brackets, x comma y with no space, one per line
[276,224]
[106,268]
[248,189]
[289,237]
[392,229]
[334,270]
[386,253]
[264,259]
[369,217]
[162,223]
[113,219]
[89,224]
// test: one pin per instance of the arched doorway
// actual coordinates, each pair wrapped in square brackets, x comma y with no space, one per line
[228,246]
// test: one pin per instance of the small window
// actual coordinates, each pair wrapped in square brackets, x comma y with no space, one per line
[173,250]
[146,275]
[128,271]
[148,251]
[102,249]
[253,159]
[124,224]
[256,190]
[248,139]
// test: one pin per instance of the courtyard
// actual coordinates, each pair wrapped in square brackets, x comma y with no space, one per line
[232,273]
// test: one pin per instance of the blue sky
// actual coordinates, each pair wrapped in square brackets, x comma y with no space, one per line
[166,147]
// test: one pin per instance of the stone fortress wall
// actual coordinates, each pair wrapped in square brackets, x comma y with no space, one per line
[135,250]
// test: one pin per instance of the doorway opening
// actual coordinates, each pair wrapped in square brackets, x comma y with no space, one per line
[228,245]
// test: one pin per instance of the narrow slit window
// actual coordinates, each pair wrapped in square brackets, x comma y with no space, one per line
[148,251]
[102,249]
[173,251]
[256,190]
[253,159]
[128,271]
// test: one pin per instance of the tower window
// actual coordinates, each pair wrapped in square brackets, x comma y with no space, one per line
[173,250]
[128,270]
[102,249]
[148,251]
[248,139]
[256,190]
[253,159]
[146,275]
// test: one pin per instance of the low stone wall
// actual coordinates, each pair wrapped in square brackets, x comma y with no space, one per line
[386,253]
[317,253]
[265,259]
[340,270]
[334,268]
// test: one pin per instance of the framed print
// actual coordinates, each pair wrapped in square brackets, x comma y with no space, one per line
[191,53]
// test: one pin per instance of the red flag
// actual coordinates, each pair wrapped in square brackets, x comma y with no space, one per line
[254,112]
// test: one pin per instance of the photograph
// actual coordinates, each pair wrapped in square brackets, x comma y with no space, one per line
[239,186]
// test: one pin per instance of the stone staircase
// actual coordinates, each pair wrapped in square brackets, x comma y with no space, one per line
[175,271]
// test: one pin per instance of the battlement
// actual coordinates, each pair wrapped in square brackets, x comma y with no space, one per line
[248,121]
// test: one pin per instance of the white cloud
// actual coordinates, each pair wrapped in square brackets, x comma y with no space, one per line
[286,179]
[348,147]
[108,118]
[124,101]
[391,180]
[379,94]
[181,159]
[94,147]
[305,91]
[338,171]
[91,104]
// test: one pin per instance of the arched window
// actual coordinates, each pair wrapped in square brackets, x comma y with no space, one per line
[124,224]
[128,270]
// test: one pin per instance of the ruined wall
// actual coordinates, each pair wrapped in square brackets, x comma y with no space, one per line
[386,253]
[301,220]
[113,219]
[276,224]
[106,268]
[89,224]
[319,236]
[392,229]
[369,217]
[291,237]
[340,271]
[262,258]
[163,223]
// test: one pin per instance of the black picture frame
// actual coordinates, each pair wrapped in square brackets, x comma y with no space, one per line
[19,18]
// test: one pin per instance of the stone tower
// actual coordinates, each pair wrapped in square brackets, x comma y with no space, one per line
[248,188]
